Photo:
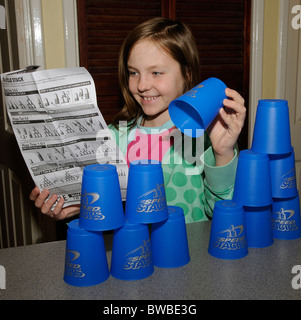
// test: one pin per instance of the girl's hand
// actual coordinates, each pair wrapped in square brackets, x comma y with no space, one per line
[58,213]
[226,127]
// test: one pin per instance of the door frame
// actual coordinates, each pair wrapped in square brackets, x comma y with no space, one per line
[31,37]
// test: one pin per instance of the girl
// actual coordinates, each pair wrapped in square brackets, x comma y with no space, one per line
[158,62]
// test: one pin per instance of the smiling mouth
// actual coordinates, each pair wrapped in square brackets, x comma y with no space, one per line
[149,98]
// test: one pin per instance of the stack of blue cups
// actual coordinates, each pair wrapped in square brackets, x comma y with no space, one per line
[135,251]
[101,209]
[253,191]
[272,137]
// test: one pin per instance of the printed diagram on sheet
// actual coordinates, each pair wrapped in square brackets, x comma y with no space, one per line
[59,128]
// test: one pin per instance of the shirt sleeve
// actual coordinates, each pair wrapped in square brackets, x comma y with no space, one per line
[219,178]
[218,181]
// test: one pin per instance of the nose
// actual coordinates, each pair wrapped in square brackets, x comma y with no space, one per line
[144,83]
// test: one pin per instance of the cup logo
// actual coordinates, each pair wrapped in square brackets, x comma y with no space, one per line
[153,200]
[192,93]
[282,220]
[232,239]
[89,211]
[72,268]
[140,257]
[288,181]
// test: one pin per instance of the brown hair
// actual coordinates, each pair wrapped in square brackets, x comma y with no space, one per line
[172,36]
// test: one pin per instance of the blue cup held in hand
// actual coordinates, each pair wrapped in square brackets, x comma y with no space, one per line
[86,261]
[145,198]
[101,204]
[169,240]
[193,112]
[131,252]
[228,231]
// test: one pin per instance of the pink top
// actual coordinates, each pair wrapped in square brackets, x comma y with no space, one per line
[148,145]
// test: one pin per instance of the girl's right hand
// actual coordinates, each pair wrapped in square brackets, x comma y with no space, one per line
[58,213]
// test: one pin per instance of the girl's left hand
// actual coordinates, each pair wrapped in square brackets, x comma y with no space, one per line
[226,127]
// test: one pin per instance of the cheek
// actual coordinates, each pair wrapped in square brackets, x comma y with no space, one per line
[178,89]
[176,85]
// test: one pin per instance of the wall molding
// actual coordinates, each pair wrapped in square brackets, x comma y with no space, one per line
[70,33]
[256,59]
[31,38]
[30,33]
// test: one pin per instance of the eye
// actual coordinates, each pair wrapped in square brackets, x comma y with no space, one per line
[157,73]
[132,73]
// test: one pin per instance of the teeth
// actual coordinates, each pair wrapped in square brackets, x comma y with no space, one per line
[149,98]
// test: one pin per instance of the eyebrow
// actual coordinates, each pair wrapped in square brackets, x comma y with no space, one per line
[150,68]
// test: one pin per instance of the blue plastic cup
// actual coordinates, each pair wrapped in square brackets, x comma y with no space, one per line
[272,127]
[253,180]
[131,252]
[101,203]
[145,198]
[228,231]
[286,218]
[169,240]
[85,261]
[193,112]
[283,175]
[259,226]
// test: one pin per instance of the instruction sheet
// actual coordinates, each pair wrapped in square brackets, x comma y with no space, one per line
[59,128]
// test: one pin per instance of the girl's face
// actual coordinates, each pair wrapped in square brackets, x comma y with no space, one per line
[155,79]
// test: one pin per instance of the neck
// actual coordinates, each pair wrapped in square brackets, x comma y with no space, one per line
[155,121]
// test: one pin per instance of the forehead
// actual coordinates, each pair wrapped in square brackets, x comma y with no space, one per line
[148,51]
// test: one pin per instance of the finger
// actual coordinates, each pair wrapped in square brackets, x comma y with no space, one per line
[40,200]
[225,117]
[233,94]
[34,193]
[230,119]
[235,108]
[58,210]
[72,210]
[46,208]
